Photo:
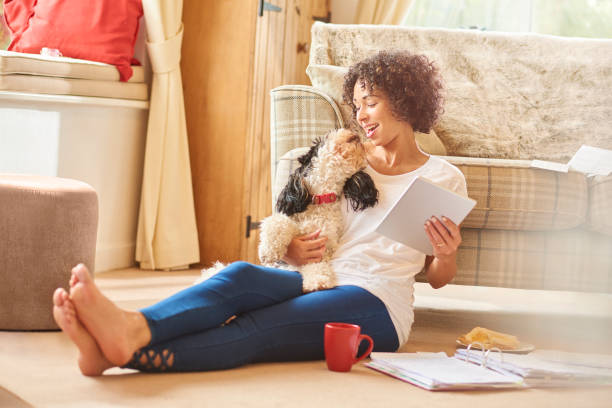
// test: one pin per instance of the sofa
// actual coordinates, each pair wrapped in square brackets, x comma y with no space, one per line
[510,99]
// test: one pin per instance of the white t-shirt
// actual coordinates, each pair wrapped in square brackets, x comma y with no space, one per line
[378,264]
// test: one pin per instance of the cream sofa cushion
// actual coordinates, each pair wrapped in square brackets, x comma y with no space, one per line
[33,64]
[70,86]
[40,74]
[329,79]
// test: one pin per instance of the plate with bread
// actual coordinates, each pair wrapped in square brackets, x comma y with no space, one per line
[480,338]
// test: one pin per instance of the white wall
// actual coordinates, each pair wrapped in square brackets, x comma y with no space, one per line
[29,141]
[343,11]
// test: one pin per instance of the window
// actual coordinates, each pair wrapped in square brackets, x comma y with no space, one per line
[568,18]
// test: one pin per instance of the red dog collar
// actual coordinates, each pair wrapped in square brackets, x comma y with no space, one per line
[324,198]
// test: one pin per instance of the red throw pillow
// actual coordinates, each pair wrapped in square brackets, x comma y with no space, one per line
[95,30]
[17,14]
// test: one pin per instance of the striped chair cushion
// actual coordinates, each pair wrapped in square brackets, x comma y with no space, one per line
[573,260]
[299,114]
[511,195]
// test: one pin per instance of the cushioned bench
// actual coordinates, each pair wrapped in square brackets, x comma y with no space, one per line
[34,73]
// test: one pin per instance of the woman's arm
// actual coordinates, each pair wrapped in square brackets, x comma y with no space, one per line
[439,272]
[445,237]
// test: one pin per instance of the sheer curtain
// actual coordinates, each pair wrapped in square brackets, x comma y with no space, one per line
[382,11]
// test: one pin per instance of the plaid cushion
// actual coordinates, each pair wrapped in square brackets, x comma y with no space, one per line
[511,195]
[600,204]
[299,114]
[575,260]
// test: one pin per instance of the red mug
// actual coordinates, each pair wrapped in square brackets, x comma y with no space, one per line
[342,342]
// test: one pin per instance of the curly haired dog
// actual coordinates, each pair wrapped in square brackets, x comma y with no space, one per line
[311,200]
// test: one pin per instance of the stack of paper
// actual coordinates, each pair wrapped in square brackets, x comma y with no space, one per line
[436,371]
[547,368]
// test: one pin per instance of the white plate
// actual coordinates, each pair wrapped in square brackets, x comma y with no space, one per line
[523,348]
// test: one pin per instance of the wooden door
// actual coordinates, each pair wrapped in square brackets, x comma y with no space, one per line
[216,64]
[231,59]
[281,57]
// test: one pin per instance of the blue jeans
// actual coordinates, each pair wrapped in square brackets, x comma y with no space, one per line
[275,321]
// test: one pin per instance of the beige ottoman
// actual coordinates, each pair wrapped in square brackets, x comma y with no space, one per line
[47,225]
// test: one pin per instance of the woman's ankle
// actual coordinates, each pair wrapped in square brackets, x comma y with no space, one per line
[140,333]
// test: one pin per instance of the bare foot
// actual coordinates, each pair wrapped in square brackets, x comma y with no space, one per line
[118,332]
[91,360]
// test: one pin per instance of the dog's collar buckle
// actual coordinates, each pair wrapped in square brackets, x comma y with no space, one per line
[324,198]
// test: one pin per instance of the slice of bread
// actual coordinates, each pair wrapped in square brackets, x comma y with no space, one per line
[489,339]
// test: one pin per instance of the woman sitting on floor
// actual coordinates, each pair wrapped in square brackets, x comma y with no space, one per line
[393,94]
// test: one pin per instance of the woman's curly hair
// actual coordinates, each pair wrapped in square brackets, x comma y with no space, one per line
[412,83]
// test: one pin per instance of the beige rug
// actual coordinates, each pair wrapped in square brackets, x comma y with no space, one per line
[39,369]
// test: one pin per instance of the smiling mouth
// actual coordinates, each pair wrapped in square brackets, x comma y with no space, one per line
[370,130]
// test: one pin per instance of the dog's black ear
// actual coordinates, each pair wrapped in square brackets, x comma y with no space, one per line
[360,191]
[306,158]
[295,197]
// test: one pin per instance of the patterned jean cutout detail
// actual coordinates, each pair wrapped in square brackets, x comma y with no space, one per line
[151,360]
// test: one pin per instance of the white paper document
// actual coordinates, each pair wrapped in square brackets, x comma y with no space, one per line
[422,199]
[592,161]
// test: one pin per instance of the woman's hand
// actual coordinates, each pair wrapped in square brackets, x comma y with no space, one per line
[305,249]
[444,235]
[445,238]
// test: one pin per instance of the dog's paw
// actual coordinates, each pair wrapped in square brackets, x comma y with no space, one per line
[207,273]
[275,235]
[317,276]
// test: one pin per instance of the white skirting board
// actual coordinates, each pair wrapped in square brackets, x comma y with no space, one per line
[100,141]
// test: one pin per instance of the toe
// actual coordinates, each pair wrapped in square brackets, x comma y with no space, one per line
[69,306]
[81,273]
[58,296]
[73,280]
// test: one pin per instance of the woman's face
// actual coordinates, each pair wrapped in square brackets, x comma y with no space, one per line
[374,115]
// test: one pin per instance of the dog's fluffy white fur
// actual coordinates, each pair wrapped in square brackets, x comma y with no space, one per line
[335,165]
